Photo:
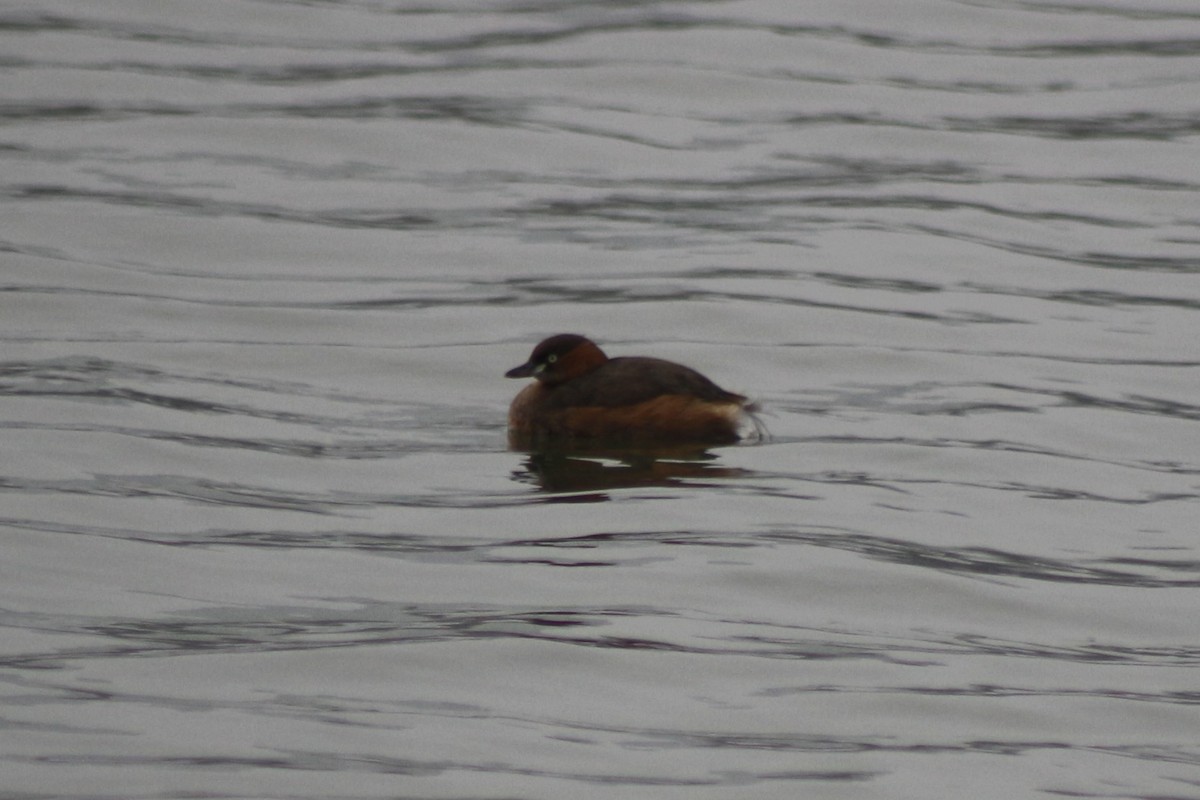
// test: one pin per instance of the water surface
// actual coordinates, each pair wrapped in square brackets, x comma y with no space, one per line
[264,265]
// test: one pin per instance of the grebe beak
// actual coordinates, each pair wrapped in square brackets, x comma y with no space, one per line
[526,370]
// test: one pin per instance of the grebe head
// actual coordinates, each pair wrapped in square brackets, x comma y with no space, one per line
[560,358]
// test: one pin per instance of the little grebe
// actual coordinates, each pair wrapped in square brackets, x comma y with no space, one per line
[580,393]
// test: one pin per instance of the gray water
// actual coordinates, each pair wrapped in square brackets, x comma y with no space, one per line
[265,263]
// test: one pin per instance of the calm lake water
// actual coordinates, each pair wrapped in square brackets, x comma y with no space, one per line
[265,262]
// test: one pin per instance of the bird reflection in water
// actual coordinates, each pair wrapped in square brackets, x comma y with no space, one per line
[597,469]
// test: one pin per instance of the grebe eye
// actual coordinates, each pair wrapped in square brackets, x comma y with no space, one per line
[550,359]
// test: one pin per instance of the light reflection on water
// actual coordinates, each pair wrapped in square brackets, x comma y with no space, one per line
[262,274]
